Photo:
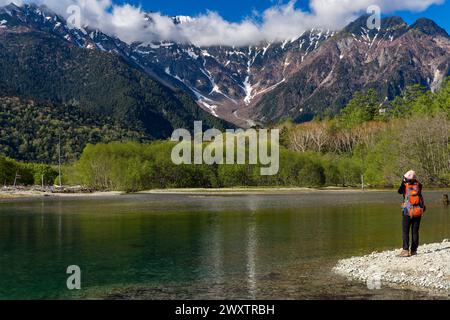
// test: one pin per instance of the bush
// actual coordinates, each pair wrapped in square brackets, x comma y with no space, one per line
[42,173]
[24,173]
[311,175]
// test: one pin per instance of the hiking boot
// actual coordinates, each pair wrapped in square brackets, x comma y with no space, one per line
[413,253]
[405,253]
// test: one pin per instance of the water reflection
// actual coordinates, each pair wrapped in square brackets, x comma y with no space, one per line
[213,247]
[251,255]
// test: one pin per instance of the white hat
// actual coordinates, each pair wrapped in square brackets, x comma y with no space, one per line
[410,175]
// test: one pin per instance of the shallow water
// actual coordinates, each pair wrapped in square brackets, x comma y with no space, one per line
[279,246]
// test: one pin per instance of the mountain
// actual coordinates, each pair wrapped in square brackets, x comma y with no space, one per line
[313,74]
[429,27]
[223,80]
[356,59]
[42,59]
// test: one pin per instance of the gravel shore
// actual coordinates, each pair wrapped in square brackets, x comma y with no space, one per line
[24,194]
[429,269]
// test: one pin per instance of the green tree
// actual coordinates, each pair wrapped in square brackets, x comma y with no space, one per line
[361,108]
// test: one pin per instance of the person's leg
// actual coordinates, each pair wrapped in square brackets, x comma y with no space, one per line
[415,234]
[406,223]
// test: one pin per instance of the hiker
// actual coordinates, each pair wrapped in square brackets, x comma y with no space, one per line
[413,208]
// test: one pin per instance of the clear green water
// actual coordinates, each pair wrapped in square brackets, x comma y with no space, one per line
[202,247]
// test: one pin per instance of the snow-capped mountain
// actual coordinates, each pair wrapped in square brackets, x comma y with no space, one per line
[227,79]
[85,74]
[387,60]
[223,80]
[318,70]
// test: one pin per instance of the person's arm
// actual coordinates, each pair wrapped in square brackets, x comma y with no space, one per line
[401,190]
[422,201]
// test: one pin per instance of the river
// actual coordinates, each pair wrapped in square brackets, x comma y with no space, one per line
[197,246]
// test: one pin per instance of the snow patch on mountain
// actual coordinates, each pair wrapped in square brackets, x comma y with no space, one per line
[438,78]
[210,107]
[247,85]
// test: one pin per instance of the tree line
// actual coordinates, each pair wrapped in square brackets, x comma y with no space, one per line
[368,141]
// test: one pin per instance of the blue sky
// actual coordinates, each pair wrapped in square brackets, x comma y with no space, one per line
[235,11]
[439,13]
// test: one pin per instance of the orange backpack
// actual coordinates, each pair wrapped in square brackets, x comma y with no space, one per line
[413,200]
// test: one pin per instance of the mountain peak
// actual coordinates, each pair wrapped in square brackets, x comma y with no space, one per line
[12,5]
[14,10]
[387,23]
[393,22]
[10,8]
[181,19]
[356,25]
[428,27]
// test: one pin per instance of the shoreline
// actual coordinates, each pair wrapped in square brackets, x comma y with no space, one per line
[428,270]
[26,193]
[258,190]
[33,194]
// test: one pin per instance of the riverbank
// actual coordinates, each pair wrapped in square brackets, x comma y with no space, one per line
[11,193]
[429,269]
[32,193]
[243,190]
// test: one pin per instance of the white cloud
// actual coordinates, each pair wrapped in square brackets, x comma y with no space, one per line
[279,22]
[6,2]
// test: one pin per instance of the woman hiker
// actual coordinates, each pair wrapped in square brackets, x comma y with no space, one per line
[413,208]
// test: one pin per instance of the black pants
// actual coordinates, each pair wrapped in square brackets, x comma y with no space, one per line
[414,225]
